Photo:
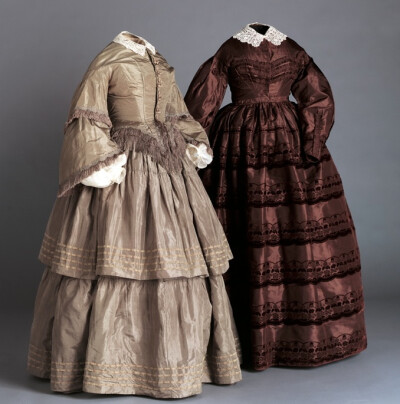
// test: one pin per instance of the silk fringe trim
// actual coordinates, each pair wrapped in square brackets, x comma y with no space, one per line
[67,187]
[88,113]
[168,148]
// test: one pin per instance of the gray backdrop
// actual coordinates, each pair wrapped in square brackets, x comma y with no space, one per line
[46,45]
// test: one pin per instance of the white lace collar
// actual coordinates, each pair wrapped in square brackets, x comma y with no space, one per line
[254,38]
[123,39]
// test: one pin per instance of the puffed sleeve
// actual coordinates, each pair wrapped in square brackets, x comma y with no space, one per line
[315,106]
[206,91]
[87,146]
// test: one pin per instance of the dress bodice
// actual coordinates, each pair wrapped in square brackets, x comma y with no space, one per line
[253,80]
[137,81]
[140,88]
[127,98]
[263,66]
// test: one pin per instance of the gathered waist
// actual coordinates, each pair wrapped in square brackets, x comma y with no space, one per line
[262,99]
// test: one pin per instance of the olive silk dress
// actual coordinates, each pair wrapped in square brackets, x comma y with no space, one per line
[132,298]
[295,282]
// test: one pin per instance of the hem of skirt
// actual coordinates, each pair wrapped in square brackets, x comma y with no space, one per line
[165,276]
[133,388]
[121,389]
[315,364]
[215,370]
[212,264]
[41,373]
[125,389]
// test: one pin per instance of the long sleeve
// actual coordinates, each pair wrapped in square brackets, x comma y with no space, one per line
[206,92]
[191,130]
[316,108]
[87,146]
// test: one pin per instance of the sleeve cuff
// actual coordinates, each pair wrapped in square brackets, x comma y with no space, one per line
[104,177]
[199,155]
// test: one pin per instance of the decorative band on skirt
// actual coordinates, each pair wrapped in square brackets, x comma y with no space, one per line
[161,338]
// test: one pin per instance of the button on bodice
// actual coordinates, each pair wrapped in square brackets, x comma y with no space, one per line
[140,90]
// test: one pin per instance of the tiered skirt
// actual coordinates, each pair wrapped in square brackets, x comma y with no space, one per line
[132,299]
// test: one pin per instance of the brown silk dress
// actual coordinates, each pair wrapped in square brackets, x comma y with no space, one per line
[132,299]
[294,283]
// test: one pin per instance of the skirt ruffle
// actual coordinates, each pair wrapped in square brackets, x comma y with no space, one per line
[161,338]
[156,224]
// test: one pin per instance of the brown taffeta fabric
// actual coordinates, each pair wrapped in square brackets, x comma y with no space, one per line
[294,282]
[132,299]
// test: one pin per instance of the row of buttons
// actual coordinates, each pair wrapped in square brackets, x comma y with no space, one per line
[158,82]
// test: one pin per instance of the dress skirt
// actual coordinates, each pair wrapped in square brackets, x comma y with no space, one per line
[132,299]
[295,282]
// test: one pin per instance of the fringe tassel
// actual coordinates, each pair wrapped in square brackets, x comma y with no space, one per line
[67,187]
[167,149]
[89,114]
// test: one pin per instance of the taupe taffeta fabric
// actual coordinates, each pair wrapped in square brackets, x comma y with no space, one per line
[125,100]
[132,299]
[155,224]
[123,336]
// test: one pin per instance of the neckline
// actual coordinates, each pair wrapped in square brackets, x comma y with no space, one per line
[249,35]
[129,43]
